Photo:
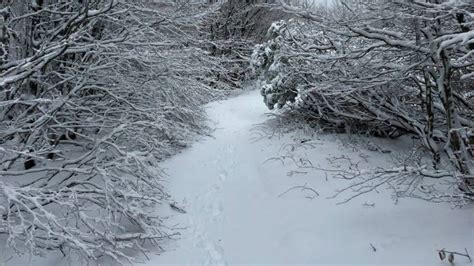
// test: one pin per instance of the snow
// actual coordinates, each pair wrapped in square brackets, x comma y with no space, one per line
[235,215]
[240,208]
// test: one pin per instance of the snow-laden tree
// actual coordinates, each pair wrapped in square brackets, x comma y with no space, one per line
[386,67]
[234,29]
[93,93]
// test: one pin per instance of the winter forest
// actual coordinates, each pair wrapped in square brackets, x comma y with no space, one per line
[236,132]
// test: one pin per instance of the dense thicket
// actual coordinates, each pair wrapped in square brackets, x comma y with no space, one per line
[93,93]
[234,29]
[387,68]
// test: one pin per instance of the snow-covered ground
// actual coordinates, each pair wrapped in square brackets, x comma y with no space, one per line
[238,211]
[241,208]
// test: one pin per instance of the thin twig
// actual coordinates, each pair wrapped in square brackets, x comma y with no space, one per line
[303,188]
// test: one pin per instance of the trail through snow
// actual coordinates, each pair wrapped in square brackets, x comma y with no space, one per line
[237,211]
[240,208]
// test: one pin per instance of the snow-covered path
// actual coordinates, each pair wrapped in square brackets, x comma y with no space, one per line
[239,210]
[236,213]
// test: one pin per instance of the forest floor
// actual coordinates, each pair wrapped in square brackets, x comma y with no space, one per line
[247,200]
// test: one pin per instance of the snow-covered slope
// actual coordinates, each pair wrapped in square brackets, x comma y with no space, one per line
[238,211]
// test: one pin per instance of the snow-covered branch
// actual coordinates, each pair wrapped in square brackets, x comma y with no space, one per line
[386,68]
[92,95]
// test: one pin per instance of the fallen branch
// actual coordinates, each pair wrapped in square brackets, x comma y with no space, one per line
[442,255]
[303,188]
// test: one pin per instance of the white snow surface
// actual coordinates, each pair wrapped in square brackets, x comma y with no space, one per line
[237,211]
[235,215]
